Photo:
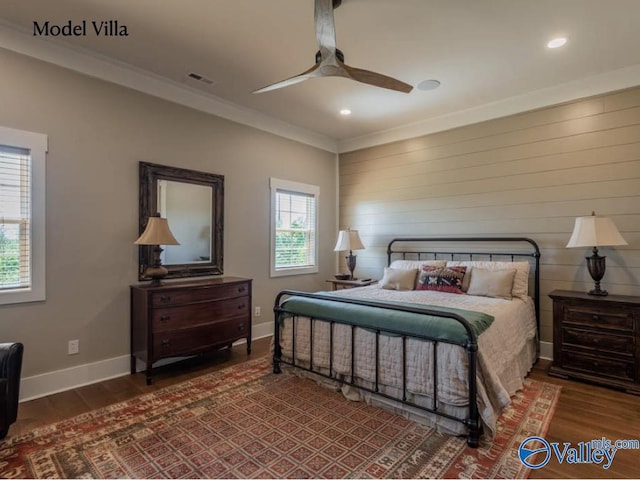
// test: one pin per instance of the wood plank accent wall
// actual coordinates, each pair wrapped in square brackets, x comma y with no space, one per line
[527,175]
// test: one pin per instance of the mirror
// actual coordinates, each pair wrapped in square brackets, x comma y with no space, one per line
[192,203]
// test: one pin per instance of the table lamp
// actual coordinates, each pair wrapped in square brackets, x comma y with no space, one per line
[349,240]
[156,233]
[594,231]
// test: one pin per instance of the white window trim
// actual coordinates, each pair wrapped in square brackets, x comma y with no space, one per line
[276,184]
[36,143]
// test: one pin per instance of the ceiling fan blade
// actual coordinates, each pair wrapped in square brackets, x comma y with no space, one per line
[377,79]
[307,74]
[330,60]
[325,25]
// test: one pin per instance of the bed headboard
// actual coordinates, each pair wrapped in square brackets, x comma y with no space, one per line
[472,248]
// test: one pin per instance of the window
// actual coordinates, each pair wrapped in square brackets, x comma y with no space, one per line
[294,210]
[22,216]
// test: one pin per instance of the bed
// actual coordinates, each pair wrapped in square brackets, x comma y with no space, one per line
[446,337]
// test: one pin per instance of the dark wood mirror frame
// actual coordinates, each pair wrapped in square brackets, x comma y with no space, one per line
[149,174]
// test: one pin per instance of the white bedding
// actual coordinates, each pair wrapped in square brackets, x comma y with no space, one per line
[506,352]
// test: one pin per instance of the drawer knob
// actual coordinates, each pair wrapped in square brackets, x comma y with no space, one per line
[165,318]
[241,290]
[165,343]
[165,298]
[595,318]
[240,326]
[241,306]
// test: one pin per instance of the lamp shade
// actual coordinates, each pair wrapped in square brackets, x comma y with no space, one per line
[157,233]
[595,231]
[348,240]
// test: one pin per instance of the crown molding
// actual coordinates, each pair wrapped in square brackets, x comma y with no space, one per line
[566,92]
[104,68]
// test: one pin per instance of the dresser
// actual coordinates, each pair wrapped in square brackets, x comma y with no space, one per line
[188,318]
[597,339]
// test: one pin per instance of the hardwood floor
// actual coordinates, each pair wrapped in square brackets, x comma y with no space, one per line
[59,406]
[584,412]
[588,412]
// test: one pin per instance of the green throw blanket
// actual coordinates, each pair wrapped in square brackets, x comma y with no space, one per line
[401,322]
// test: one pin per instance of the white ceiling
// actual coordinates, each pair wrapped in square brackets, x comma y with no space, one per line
[489,55]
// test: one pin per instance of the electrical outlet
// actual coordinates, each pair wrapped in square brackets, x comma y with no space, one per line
[257,312]
[74,347]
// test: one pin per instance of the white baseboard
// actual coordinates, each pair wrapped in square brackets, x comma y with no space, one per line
[57,381]
[60,380]
[546,350]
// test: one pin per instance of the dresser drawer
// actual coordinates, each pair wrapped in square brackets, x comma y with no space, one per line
[610,318]
[603,367]
[618,344]
[192,340]
[178,317]
[180,297]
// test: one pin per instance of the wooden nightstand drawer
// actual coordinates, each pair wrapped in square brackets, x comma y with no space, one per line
[612,318]
[596,341]
[599,366]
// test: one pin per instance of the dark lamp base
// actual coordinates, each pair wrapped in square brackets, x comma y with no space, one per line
[596,266]
[351,264]
[156,272]
[598,292]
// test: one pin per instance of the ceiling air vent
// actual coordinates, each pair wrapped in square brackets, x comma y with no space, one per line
[199,78]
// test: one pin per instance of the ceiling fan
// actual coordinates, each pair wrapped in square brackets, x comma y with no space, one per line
[330,60]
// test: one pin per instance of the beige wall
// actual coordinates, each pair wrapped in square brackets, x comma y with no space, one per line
[98,132]
[525,175]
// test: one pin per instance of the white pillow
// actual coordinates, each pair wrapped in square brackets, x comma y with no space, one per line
[399,279]
[491,283]
[520,281]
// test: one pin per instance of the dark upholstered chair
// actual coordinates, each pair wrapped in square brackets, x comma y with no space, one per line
[10,367]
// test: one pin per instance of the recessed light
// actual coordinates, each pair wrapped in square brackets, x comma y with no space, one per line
[429,85]
[345,112]
[557,42]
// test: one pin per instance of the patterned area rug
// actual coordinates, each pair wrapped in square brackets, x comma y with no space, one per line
[246,422]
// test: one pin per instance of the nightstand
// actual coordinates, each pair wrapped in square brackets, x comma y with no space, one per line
[597,339]
[340,284]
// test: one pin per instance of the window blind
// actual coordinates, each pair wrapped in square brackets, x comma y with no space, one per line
[15,218]
[295,236]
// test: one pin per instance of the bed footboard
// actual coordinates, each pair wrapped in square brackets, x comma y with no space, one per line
[471,420]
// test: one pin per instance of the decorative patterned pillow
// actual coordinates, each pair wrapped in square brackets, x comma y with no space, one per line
[441,279]
[417,265]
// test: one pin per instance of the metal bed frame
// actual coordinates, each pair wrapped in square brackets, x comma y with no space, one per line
[472,420]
